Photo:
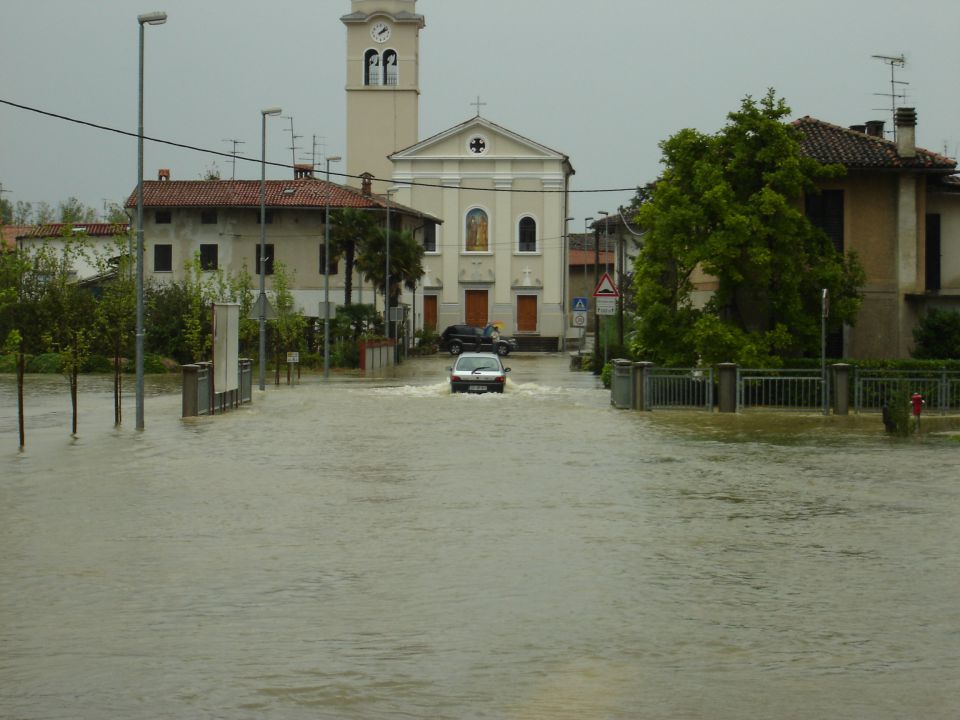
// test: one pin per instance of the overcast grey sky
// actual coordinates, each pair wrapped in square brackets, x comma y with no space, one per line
[602,81]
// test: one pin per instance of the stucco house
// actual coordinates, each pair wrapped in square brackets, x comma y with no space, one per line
[99,239]
[219,220]
[896,208]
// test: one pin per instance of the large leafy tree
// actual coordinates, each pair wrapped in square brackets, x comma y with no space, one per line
[729,207]
[406,261]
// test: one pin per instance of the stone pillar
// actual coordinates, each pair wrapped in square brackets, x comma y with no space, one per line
[841,389]
[727,391]
[640,372]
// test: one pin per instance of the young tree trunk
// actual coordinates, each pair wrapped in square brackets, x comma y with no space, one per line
[74,372]
[117,389]
[21,365]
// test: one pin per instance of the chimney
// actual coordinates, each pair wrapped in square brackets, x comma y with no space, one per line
[874,128]
[366,184]
[302,170]
[859,128]
[163,174]
[906,122]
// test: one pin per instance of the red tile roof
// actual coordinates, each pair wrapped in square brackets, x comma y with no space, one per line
[834,144]
[300,193]
[587,257]
[53,230]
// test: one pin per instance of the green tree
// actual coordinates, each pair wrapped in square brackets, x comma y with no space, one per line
[729,205]
[72,210]
[67,311]
[6,212]
[22,213]
[350,232]
[938,336]
[117,310]
[406,261]
[289,327]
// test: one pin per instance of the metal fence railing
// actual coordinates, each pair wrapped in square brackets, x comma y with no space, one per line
[874,388]
[679,388]
[783,389]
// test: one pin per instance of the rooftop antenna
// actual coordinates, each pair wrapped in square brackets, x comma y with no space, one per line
[293,141]
[233,154]
[894,62]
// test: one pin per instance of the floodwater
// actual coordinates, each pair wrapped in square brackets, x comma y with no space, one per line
[383,549]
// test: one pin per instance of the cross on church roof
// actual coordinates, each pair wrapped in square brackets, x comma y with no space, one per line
[478,105]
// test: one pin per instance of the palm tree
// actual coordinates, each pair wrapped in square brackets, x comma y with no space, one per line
[351,230]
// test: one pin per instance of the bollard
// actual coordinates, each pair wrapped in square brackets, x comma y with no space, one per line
[841,389]
[727,391]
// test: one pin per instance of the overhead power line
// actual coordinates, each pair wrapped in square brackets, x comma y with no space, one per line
[234,158]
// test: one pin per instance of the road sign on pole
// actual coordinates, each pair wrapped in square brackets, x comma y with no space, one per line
[606,306]
[606,288]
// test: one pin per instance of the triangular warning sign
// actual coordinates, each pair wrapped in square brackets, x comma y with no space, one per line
[606,287]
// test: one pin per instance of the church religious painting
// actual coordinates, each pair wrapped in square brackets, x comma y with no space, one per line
[477,231]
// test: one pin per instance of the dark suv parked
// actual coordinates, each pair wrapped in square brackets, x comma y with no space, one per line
[457,338]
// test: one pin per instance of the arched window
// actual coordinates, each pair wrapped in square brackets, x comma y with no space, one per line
[477,231]
[527,235]
[391,71]
[372,72]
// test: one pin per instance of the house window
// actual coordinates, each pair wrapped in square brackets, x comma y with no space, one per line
[527,234]
[268,266]
[268,215]
[430,237]
[477,231]
[163,258]
[208,257]
[933,253]
[161,217]
[208,217]
[825,211]
[334,261]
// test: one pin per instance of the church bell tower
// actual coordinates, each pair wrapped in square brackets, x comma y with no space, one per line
[383,84]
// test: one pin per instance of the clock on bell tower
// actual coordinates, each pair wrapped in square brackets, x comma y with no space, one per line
[383,84]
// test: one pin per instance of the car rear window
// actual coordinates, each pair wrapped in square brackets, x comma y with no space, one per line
[466,364]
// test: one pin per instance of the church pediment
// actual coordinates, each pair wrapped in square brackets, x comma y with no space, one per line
[480,139]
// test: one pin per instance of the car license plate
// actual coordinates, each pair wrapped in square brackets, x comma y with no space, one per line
[478,388]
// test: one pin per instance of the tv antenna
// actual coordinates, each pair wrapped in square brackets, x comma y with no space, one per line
[233,154]
[293,141]
[894,61]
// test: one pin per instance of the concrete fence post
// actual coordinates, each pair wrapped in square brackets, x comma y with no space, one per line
[841,389]
[189,399]
[727,390]
[641,371]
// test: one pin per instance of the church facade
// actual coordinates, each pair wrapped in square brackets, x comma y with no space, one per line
[500,254]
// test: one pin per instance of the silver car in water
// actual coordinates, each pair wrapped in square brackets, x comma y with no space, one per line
[478,373]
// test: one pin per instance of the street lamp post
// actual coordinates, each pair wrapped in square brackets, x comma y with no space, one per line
[154,18]
[606,233]
[326,275]
[386,279]
[586,233]
[262,302]
[564,278]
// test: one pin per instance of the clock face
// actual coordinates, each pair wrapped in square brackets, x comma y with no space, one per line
[380,32]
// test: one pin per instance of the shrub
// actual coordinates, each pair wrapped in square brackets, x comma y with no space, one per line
[45,363]
[897,413]
[938,335]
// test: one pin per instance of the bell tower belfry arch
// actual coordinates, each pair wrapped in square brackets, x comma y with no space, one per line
[383,84]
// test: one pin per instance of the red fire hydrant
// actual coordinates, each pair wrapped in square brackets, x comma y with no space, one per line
[917,401]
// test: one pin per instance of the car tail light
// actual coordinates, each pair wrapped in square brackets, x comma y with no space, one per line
[501,378]
[455,378]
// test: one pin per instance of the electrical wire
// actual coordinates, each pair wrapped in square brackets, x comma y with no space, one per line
[194,148]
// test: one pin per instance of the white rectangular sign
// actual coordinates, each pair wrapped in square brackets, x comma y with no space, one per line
[606,305]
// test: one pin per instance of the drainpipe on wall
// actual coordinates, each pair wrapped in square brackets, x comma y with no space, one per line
[907,228]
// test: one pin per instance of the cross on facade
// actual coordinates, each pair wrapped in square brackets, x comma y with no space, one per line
[478,105]
[477,145]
